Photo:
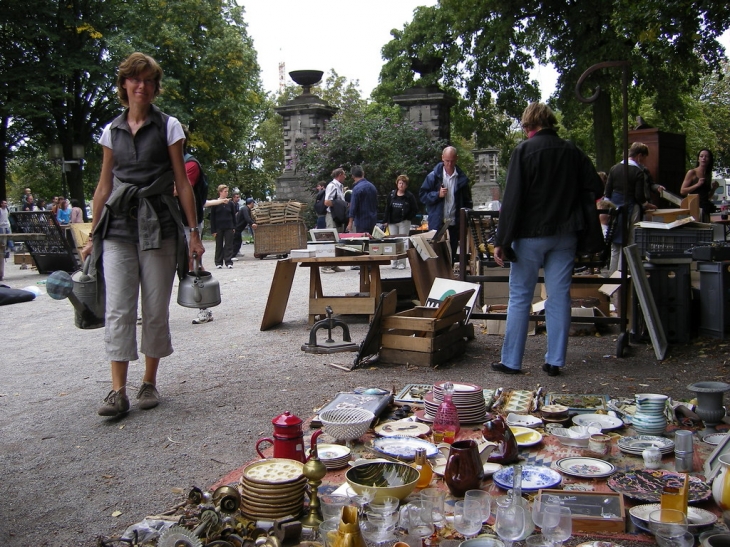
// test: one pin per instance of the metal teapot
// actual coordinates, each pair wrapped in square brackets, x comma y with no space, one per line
[198,289]
[288,438]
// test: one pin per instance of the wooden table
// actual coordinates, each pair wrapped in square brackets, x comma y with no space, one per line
[360,303]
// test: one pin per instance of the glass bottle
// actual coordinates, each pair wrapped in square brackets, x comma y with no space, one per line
[423,466]
[446,423]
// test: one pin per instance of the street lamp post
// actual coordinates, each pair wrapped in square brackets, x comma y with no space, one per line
[55,153]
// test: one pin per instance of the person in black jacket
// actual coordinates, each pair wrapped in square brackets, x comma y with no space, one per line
[244,219]
[222,226]
[540,215]
[399,212]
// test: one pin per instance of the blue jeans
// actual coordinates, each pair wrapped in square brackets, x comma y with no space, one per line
[555,254]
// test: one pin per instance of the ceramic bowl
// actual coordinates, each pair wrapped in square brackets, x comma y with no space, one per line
[570,438]
[383,479]
[554,411]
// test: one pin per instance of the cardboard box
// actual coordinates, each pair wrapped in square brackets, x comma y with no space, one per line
[375,248]
[322,249]
[393,247]
[302,253]
[666,215]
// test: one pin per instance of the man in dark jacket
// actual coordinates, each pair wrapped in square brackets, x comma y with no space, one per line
[222,226]
[444,192]
[244,219]
[538,221]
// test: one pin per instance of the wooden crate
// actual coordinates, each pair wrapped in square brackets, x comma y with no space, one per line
[425,336]
[23,258]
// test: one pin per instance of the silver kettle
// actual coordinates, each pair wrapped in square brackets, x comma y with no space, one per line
[198,289]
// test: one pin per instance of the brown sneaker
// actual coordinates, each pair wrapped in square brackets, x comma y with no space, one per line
[115,404]
[148,396]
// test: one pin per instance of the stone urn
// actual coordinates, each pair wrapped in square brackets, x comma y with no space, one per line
[709,402]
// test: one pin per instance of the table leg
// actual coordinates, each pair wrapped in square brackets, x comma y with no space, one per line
[315,290]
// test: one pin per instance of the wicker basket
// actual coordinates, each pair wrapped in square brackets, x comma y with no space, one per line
[279,239]
[346,424]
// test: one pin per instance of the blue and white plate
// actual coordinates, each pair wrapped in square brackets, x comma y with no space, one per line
[585,467]
[403,447]
[534,477]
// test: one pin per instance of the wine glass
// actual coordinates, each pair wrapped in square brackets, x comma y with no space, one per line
[563,527]
[510,523]
[484,499]
[538,509]
[668,524]
[468,517]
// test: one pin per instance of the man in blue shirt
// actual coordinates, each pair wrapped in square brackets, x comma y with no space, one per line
[364,203]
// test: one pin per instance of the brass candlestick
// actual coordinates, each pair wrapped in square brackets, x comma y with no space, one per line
[314,470]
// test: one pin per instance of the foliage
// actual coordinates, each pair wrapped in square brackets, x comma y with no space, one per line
[486,46]
[379,140]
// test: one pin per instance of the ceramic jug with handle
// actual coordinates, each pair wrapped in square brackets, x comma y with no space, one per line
[288,438]
[497,431]
[721,484]
[464,465]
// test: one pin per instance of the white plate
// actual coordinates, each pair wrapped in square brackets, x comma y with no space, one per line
[715,438]
[332,451]
[534,477]
[697,519]
[523,420]
[585,467]
[606,422]
[403,448]
[405,428]
[526,436]
[636,444]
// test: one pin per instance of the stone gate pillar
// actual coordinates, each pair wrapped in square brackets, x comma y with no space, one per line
[429,106]
[305,120]
[486,166]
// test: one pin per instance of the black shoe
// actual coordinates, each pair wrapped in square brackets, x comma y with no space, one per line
[551,370]
[499,367]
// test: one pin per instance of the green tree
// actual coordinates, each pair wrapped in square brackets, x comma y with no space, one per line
[487,48]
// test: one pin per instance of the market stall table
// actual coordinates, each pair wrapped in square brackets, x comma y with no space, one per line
[363,302]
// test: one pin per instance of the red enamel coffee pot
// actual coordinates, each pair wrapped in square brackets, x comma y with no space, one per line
[288,438]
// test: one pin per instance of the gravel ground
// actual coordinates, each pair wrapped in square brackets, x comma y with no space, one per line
[67,471]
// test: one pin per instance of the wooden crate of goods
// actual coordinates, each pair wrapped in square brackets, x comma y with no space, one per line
[279,212]
[426,336]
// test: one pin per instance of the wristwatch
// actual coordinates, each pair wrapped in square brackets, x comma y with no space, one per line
[196,230]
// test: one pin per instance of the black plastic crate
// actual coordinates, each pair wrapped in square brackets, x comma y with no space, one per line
[711,252]
[668,243]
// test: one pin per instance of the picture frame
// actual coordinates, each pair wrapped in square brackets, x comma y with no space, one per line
[442,288]
[324,235]
[712,465]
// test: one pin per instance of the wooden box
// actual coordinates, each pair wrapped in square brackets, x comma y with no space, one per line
[592,511]
[422,337]
[23,258]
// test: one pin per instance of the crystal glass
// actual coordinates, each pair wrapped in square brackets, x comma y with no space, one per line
[419,515]
[668,523]
[510,523]
[360,500]
[436,497]
[557,524]
[327,532]
[332,504]
[538,509]
[538,541]
[468,517]
[379,527]
[484,499]
[385,506]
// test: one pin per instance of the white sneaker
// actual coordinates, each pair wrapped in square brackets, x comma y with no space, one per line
[219,266]
[234,259]
[230,266]
[204,316]
[401,266]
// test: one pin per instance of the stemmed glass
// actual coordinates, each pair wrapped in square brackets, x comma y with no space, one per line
[510,523]
[557,524]
[468,516]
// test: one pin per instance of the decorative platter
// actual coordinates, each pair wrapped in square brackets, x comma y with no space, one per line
[647,485]
[715,438]
[412,394]
[403,447]
[636,444]
[519,401]
[402,428]
[523,420]
[274,471]
[534,478]
[526,436]
[697,519]
[585,467]
[606,422]
[587,403]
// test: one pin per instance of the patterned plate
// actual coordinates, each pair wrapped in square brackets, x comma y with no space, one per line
[715,438]
[403,447]
[402,428]
[534,477]
[274,471]
[585,467]
[647,485]
[697,519]
[637,444]
[606,422]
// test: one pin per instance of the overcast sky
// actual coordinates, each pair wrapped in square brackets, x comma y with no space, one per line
[344,35]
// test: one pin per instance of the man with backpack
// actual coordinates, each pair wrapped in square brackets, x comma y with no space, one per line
[319,207]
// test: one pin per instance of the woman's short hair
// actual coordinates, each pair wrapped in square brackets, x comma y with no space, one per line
[403,178]
[134,65]
[538,115]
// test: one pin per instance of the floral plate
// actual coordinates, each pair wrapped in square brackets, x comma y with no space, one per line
[534,477]
[403,447]
[585,467]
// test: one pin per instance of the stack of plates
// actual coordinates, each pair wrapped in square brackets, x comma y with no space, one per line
[635,445]
[272,488]
[468,399]
[333,456]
